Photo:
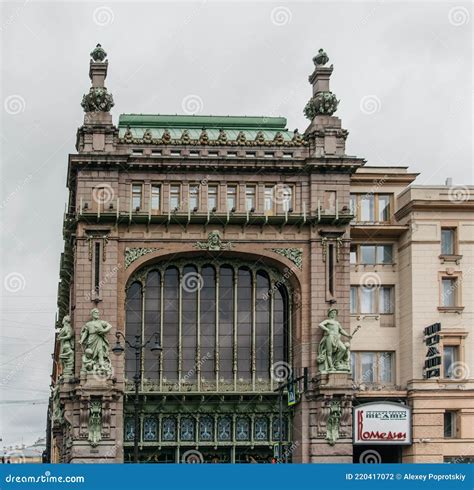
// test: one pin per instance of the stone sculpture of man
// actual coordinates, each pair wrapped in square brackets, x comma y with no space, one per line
[95,345]
[333,354]
[66,350]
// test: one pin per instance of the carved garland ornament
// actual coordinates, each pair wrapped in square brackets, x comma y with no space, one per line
[293,254]
[222,139]
[132,254]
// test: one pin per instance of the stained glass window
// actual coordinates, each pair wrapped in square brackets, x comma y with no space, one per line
[150,429]
[276,429]
[168,429]
[242,429]
[206,428]
[261,429]
[187,429]
[224,428]
[129,429]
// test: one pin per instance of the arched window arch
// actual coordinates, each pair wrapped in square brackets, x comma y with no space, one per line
[222,325]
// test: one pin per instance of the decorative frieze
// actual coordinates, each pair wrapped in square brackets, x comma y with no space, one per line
[132,254]
[214,242]
[293,254]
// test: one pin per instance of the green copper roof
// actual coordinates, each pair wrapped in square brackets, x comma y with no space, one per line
[199,122]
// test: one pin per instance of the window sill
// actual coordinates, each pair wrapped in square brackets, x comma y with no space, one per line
[451,309]
[450,258]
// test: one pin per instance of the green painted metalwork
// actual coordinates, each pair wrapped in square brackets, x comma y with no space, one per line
[95,423]
[333,423]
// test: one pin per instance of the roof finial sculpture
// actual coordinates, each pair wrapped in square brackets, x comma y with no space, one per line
[98,99]
[323,102]
[319,60]
[98,54]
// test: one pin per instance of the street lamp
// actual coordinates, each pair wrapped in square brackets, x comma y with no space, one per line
[138,347]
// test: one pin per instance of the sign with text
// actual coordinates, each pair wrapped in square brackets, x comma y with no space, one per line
[382,423]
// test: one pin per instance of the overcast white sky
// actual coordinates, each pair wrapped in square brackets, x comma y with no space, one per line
[403,73]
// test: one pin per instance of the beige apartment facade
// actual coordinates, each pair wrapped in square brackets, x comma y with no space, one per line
[202,254]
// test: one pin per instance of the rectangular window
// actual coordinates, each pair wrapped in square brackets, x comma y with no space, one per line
[367,207]
[353,300]
[449,423]
[353,255]
[353,206]
[384,254]
[450,358]
[155,197]
[373,367]
[231,198]
[250,198]
[175,197]
[367,254]
[193,197]
[97,267]
[385,367]
[447,241]
[136,196]
[287,199]
[384,207]
[331,270]
[386,300]
[367,300]
[367,367]
[212,198]
[268,199]
[448,292]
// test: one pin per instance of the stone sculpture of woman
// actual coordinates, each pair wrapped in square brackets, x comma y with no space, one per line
[333,354]
[95,345]
[66,349]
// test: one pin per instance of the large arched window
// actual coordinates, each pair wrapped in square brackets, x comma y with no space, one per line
[223,326]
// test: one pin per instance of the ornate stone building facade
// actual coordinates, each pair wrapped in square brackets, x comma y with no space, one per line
[218,257]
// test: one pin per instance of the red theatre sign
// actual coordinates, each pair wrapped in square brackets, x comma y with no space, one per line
[382,423]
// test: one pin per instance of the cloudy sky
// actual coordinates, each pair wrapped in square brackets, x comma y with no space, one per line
[403,73]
